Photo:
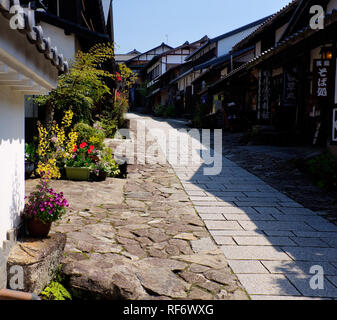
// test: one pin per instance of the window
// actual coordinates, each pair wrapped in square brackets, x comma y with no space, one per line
[155,73]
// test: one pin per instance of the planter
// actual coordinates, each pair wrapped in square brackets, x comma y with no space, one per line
[77,174]
[37,228]
[100,177]
[29,169]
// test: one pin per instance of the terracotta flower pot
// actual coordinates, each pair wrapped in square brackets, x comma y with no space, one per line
[38,229]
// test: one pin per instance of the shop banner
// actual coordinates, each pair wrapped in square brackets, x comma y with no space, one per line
[321,79]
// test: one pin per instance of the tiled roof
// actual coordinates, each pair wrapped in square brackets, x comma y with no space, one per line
[227,35]
[34,35]
[267,23]
[297,36]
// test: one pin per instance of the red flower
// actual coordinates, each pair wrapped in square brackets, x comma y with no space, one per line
[75,148]
[83,145]
[119,78]
[89,151]
[92,148]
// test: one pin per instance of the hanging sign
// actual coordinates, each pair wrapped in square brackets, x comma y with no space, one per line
[289,88]
[264,94]
[321,78]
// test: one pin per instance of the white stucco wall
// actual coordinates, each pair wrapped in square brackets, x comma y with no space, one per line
[65,43]
[177,59]
[258,48]
[11,159]
[279,32]
[22,59]
[226,45]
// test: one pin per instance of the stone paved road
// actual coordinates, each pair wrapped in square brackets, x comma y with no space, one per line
[140,239]
[270,241]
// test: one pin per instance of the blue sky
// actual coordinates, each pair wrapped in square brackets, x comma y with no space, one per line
[144,24]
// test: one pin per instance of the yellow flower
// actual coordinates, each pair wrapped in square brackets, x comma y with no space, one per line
[50,149]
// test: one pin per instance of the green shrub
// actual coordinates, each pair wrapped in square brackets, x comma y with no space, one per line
[120,108]
[55,291]
[112,168]
[109,124]
[323,168]
[200,113]
[90,135]
[165,111]
[159,110]
[170,111]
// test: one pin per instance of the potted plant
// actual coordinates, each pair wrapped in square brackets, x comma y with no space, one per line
[99,171]
[43,207]
[29,160]
[79,166]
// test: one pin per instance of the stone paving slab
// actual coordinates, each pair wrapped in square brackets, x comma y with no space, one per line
[312,254]
[249,217]
[247,267]
[264,241]
[267,284]
[297,267]
[275,225]
[310,242]
[222,225]
[302,283]
[226,210]
[254,253]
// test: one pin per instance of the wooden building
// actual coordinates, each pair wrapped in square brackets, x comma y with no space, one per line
[206,66]
[289,86]
[160,65]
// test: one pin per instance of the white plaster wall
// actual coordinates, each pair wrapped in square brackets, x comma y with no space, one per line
[177,59]
[19,55]
[258,48]
[226,45]
[66,44]
[279,32]
[11,159]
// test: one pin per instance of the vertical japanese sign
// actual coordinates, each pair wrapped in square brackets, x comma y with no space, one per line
[334,125]
[321,78]
[289,88]
[264,94]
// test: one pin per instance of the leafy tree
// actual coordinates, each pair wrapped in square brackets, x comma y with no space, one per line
[84,86]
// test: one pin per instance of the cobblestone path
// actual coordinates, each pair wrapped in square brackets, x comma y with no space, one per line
[140,238]
[275,246]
